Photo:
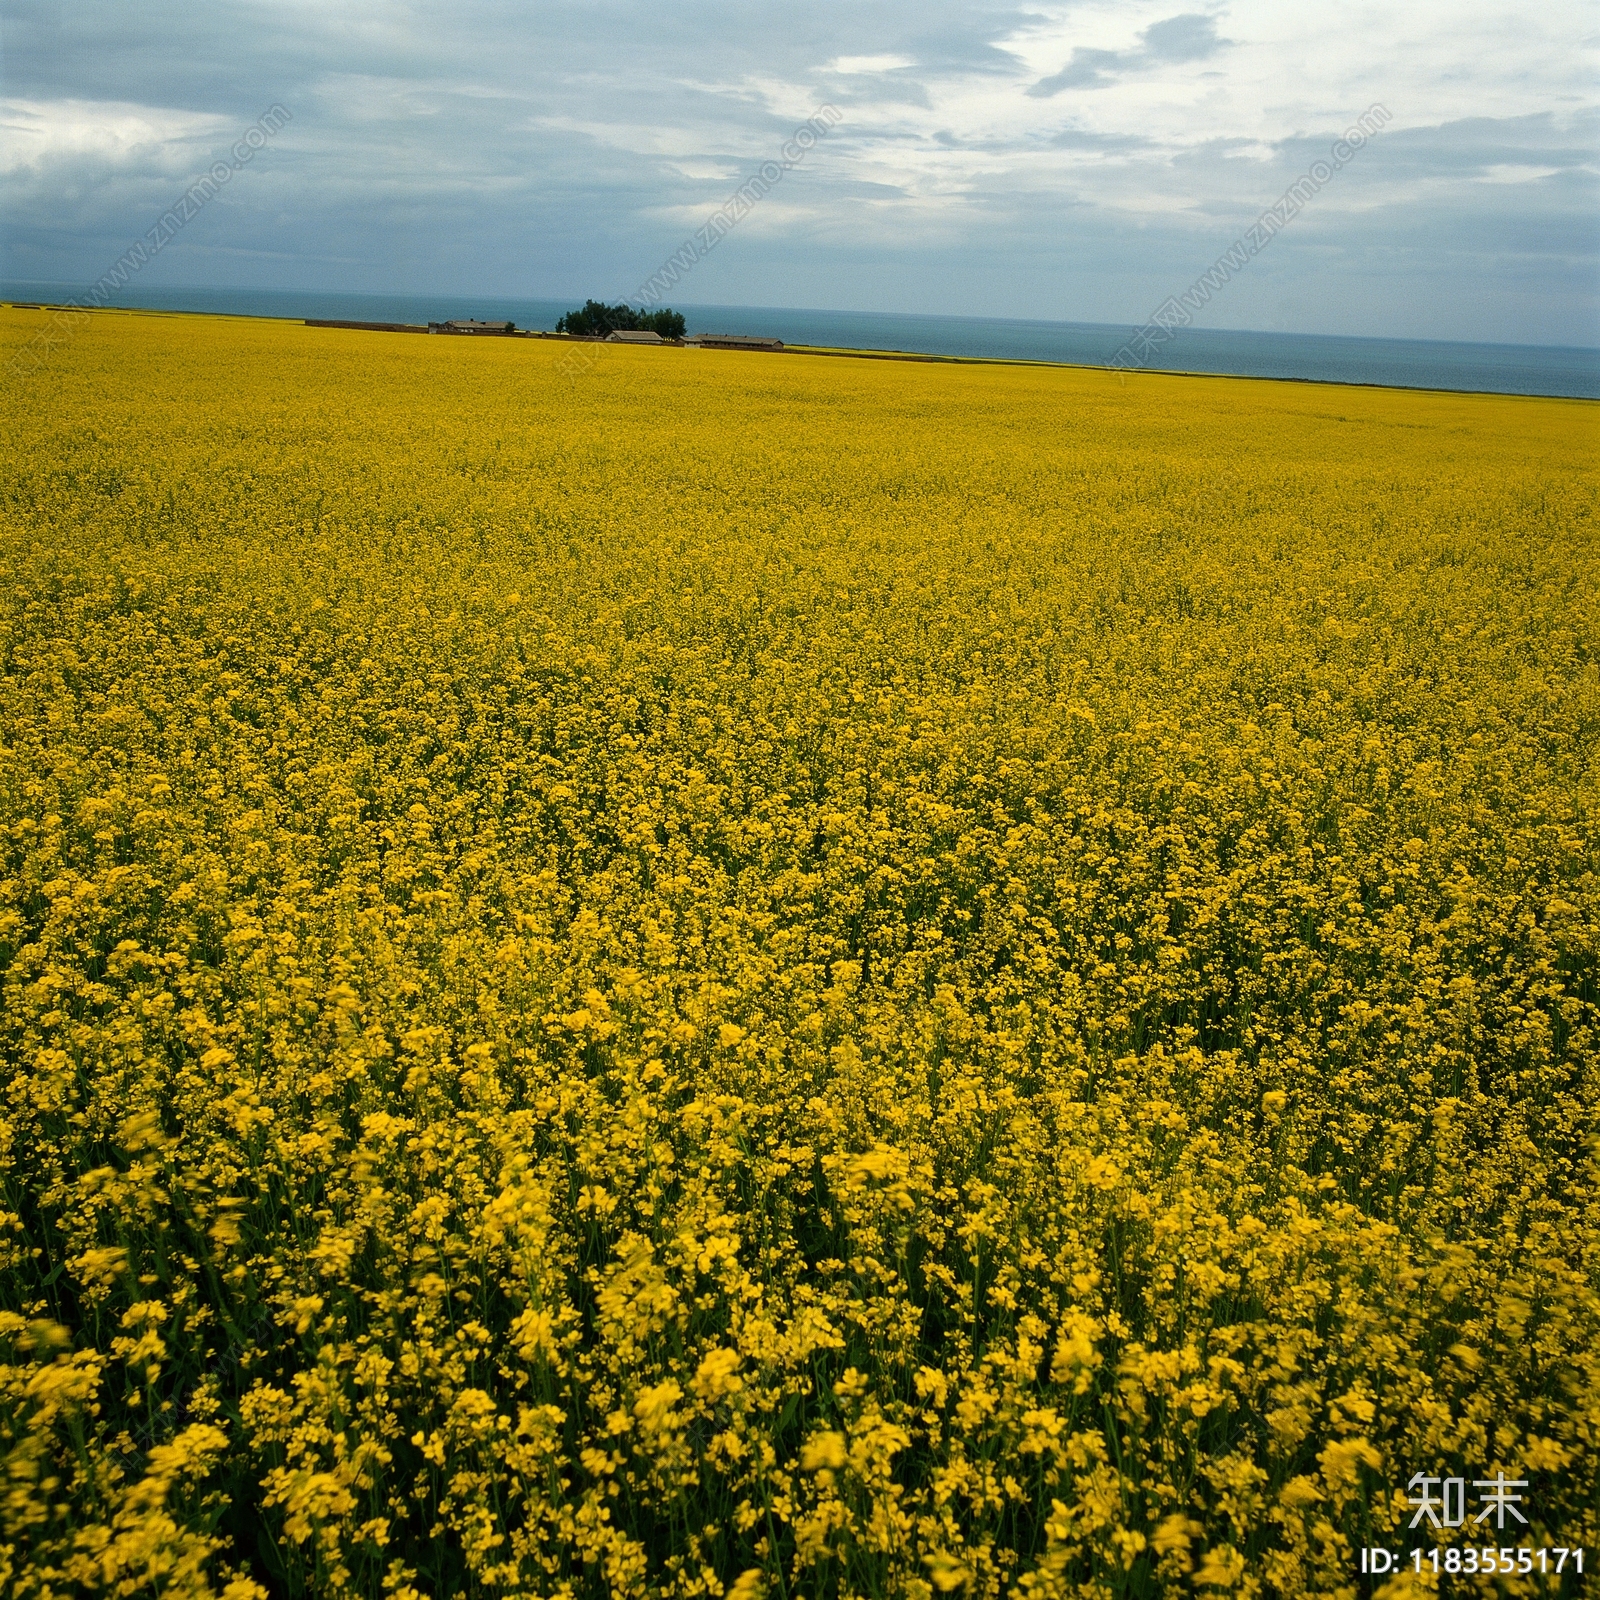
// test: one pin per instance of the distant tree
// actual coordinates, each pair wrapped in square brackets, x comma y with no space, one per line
[668,323]
[596,319]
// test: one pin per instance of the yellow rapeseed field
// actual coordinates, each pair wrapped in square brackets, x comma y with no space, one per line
[793,977]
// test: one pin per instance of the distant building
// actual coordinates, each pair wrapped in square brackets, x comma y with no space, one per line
[733,341]
[468,325]
[634,336]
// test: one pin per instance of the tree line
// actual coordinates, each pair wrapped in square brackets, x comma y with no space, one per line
[596,319]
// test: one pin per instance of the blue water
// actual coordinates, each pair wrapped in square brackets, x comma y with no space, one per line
[1401,363]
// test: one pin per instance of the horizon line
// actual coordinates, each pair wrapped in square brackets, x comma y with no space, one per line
[828,311]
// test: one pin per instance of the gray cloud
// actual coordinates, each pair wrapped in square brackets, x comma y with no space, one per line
[1079,139]
[1189,37]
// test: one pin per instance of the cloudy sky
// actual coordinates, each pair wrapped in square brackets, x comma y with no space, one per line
[1075,161]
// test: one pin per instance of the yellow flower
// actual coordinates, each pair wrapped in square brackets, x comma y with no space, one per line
[1144,831]
[718,1375]
[824,1450]
[654,1406]
[946,1572]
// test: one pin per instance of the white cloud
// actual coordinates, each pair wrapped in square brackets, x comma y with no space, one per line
[707,171]
[1515,172]
[850,65]
[34,132]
